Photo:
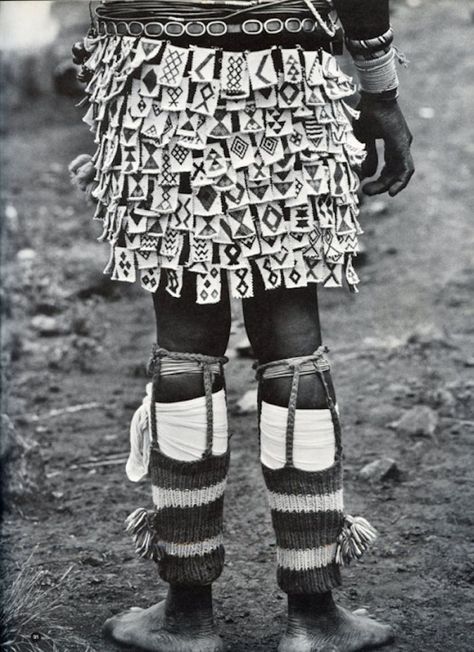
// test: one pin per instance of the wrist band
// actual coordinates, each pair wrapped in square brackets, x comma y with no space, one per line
[366,46]
[370,54]
[378,75]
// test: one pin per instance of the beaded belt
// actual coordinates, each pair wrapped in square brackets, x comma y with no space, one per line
[196,28]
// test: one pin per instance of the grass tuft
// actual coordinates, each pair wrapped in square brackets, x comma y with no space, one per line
[29,609]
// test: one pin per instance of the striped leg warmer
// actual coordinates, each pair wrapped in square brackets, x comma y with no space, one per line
[183,533]
[314,536]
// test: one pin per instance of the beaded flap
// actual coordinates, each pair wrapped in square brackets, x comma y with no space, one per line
[209,160]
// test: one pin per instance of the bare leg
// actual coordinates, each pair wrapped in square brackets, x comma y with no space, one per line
[183,325]
[281,324]
[184,621]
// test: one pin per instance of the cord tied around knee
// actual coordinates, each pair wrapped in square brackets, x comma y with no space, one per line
[294,368]
[163,363]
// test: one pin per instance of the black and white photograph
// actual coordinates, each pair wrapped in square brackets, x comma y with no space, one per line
[236,325]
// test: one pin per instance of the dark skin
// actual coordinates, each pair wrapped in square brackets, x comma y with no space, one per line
[282,323]
[384,120]
[380,119]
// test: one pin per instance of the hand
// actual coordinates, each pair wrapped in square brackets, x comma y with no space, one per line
[384,119]
[82,173]
[79,53]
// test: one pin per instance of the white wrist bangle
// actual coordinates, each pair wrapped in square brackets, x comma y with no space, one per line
[378,75]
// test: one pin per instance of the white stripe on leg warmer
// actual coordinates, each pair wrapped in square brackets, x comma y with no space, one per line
[182,428]
[314,444]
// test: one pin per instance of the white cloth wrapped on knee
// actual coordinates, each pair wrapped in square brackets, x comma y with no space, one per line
[182,428]
[314,444]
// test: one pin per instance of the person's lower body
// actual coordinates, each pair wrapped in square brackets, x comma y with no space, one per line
[184,533]
[218,166]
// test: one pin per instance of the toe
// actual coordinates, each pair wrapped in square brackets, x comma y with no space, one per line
[108,626]
[383,634]
[111,625]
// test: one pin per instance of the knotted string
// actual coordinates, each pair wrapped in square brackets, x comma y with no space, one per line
[165,363]
[294,368]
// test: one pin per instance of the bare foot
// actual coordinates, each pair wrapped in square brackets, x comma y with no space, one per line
[330,629]
[172,625]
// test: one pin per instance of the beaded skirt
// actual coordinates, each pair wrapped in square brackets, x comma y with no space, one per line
[217,161]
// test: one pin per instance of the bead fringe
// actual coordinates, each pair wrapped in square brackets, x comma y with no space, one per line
[139,525]
[356,536]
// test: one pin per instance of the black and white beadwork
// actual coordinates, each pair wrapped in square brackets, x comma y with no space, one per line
[209,160]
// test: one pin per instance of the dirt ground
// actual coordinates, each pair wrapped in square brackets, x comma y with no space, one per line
[404,341]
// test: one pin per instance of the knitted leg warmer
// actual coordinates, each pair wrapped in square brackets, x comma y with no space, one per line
[314,536]
[183,533]
[307,517]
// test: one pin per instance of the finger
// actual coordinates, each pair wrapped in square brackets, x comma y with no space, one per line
[88,192]
[79,52]
[82,177]
[78,162]
[371,163]
[401,184]
[380,185]
[85,176]
[86,171]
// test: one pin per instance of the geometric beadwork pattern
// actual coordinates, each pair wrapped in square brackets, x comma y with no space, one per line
[271,219]
[150,279]
[292,70]
[261,69]
[172,65]
[241,151]
[208,285]
[175,99]
[204,61]
[212,161]
[278,123]
[241,283]
[125,268]
[235,76]
[206,96]
[290,96]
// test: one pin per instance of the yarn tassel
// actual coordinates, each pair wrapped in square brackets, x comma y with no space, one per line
[356,536]
[139,525]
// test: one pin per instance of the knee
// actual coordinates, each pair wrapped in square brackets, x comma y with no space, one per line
[184,387]
[311,392]
[313,389]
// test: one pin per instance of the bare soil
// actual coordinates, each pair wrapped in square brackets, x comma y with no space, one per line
[405,340]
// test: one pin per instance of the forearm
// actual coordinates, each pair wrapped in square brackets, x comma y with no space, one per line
[363,19]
